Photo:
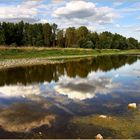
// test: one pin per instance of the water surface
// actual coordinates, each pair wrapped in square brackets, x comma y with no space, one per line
[65,100]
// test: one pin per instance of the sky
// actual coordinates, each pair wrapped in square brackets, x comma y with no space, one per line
[116,16]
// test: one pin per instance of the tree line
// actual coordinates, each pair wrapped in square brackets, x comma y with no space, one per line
[25,34]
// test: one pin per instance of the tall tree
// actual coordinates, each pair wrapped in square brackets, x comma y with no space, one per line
[105,40]
[119,42]
[95,39]
[2,37]
[70,37]
[54,30]
[81,34]
[19,33]
[60,38]
[39,35]
[132,43]
[47,33]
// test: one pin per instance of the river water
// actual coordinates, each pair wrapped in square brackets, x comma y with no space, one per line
[66,100]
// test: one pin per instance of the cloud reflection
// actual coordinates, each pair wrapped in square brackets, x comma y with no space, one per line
[66,88]
[19,91]
[82,89]
[23,117]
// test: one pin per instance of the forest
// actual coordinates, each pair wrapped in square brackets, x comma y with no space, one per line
[49,35]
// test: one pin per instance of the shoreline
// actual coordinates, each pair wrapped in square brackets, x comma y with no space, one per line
[12,61]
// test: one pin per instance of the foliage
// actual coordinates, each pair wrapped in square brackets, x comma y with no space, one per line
[25,34]
[70,37]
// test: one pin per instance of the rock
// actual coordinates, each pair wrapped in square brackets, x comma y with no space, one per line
[132,105]
[103,116]
[98,136]
[23,96]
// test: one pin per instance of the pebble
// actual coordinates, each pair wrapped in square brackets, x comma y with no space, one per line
[132,105]
[103,116]
[98,136]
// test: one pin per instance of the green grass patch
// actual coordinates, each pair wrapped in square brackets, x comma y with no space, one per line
[15,53]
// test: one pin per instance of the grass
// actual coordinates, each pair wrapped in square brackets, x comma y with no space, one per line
[56,53]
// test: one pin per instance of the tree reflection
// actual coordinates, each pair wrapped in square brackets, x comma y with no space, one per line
[41,73]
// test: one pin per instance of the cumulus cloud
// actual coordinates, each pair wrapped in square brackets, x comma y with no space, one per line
[26,11]
[75,9]
[86,12]
[131,8]
[137,30]
[117,25]
[117,3]
[57,1]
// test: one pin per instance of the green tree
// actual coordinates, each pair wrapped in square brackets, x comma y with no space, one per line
[54,30]
[81,34]
[132,43]
[70,37]
[47,33]
[60,38]
[19,34]
[105,40]
[119,42]
[2,37]
[95,39]
[39,35]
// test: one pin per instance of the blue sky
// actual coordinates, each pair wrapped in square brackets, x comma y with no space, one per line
[120,16]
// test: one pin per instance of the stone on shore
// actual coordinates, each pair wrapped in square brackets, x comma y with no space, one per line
[132,105]
[98,136]
[103,116]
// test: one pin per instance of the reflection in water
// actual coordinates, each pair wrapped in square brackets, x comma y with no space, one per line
[24,117]
[19,91]
[52,95]
[26,75]
[125,127]
[81,89]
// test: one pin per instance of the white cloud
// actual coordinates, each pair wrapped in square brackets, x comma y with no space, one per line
[75,9]
[131,8]
[84,12]
[117,3]
[26,11]
[42,21]
[57,1]
[138,18]
[137,30]
[117,25]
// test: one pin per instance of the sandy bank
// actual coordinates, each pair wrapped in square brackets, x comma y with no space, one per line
[10,63]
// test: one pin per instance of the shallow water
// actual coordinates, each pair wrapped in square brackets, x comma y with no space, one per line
[65,100]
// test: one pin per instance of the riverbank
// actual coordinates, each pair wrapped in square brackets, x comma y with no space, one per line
[14,57]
